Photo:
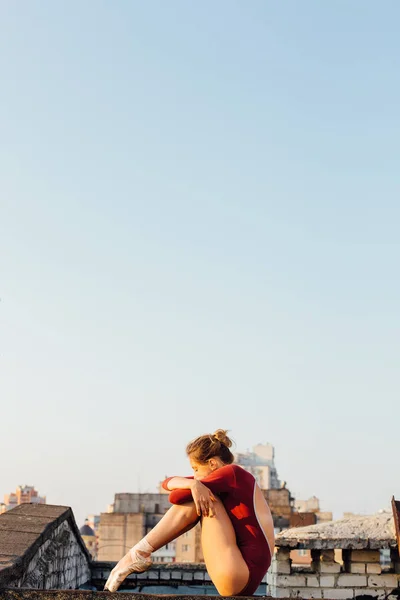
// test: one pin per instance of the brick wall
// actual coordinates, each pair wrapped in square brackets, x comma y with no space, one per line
[360,575]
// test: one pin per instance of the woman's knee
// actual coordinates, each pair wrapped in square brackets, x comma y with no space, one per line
[232,580]
[229,587]
[226,590]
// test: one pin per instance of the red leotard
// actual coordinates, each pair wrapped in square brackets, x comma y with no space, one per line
[236,489]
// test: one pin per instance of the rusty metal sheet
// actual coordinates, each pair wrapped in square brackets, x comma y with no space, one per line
[396,517]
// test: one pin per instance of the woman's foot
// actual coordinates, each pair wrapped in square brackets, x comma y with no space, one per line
[132,562]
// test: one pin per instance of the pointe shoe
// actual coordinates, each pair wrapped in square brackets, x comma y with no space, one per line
[139,564]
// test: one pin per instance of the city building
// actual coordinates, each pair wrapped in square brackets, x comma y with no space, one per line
[23,495]
[166,554]
[89,538]
[312,506]
[90,534]
[280,502]
[93,521]
[133,516]
[188,546]
[260,463]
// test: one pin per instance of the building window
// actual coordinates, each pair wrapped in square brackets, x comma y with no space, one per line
[185,547]
[157,508]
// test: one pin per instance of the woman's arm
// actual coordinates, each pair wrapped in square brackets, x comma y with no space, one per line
[178,483]
[221,480]
[191,489]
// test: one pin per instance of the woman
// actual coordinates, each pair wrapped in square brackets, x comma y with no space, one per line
[237,532]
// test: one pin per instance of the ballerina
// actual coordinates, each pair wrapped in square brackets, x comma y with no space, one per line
[237,531]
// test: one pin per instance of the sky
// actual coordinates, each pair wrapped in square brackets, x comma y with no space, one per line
[199,229]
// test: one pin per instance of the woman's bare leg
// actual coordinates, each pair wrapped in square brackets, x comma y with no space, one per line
[177,520]
[224,561]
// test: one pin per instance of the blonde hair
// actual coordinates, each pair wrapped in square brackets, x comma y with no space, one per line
[209,446]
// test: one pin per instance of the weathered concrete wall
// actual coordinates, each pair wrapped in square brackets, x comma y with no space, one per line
[375,532]
[41,547]
[360,575]
[117,533]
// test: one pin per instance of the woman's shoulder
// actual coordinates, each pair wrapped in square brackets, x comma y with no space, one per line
[236,470]
[232,467]
[237,467]
[241,472]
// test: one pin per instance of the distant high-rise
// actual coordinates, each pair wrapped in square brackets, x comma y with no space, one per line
[24,494]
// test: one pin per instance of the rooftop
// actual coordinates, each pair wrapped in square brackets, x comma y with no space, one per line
[362,532]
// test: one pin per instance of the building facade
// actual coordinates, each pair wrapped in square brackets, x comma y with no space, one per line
[312,506]
[133,516]
[24,494]
[188,546]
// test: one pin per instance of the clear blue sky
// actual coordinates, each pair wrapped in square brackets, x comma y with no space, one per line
[199,229]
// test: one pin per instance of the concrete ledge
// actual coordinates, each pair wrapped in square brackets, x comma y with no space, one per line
[374,532]
[20,594]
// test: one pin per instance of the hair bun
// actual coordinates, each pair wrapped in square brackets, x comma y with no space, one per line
[221,436]
[208,446]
